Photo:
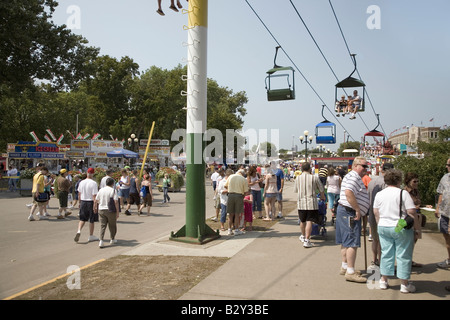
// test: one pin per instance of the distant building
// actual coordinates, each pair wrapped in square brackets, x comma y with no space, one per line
[404,141]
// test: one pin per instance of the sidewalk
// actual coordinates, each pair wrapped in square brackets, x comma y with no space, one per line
[273,265]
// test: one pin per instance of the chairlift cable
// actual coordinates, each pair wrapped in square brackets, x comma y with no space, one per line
[349,52]
[293,63]
[321,52]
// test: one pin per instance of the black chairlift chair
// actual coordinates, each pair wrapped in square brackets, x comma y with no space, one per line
[354,83]
[327,127]
[280,94]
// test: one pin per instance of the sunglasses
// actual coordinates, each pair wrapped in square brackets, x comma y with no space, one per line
[365,166]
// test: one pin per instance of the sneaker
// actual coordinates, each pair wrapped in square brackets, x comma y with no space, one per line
[407,289]
[383,285]
[68,213]
[238,232]
[230,232]
[113,241]
[60,216]
[214,219]
[352,117]
[370,238]
[92,238]
[100,244]
[338,115]
[355,277]
[444,264]
[373,266]
[31,217]
[42,217]
[301,238]
[77,237]
[307,244]
[29,205]
[127,213]
[47,214]
[343,114]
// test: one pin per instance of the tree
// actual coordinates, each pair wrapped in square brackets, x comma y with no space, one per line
[431,168]
[347,145]
[33,48]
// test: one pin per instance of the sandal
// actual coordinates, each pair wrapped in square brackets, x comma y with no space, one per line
[174,8]
[160,12]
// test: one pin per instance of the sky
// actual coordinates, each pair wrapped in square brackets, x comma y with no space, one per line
[404,62]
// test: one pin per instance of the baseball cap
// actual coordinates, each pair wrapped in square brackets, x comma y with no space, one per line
[90,170]
[62,171]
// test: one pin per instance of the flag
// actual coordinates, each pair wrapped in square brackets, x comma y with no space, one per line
[51,134]
[431,119]
[47,138]
[86,136]
[59,139]
[79,136]
[33,134]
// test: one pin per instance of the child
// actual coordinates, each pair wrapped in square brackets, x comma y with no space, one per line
[248,212]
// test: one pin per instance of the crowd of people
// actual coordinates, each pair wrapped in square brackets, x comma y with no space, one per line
[390,203]
[96,202]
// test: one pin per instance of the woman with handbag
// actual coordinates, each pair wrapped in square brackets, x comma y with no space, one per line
[166,185]
[411,182]
[393,208]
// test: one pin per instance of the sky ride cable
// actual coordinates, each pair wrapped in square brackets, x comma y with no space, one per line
[349,52]
[293,63]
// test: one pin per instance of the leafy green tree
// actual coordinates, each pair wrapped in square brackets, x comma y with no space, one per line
[33,48]
[347,145]
[431,168]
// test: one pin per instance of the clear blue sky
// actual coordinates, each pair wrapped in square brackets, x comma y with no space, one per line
[405,64]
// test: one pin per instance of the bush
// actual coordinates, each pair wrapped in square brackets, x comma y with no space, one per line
[175,176]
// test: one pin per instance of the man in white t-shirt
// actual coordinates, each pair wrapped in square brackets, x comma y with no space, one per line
[356,101]
[87,190]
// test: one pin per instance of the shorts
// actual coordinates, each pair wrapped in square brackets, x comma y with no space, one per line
[346,235]
[135,198]
[443,224]
[217,202]
[124,193]
[279,196]
[271,195]
[147,200]
[235,203]
[63,197]
[308,215]
[87,212]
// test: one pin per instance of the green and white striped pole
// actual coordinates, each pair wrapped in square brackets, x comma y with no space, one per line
[196,230]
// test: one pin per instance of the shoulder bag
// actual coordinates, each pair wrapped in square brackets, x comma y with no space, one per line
[408,219]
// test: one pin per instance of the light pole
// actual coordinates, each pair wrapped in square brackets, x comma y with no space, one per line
[306,140]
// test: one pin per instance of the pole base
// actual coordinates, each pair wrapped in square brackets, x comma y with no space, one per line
[207,236]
